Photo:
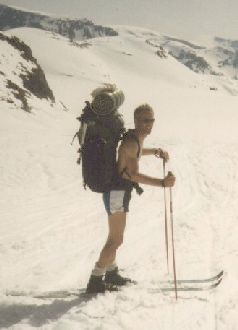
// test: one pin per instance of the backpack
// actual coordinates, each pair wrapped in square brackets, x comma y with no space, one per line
[101,129]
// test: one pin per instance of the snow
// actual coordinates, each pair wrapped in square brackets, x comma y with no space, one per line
[52,229]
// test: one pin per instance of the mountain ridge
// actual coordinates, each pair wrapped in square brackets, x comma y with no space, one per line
[74,29]
[220,59]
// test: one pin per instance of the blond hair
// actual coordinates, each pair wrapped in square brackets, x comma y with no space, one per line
[141,109]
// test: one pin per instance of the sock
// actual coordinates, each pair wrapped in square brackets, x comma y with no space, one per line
[112,266]
[97,271]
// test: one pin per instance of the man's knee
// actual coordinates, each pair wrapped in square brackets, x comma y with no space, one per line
[114,242]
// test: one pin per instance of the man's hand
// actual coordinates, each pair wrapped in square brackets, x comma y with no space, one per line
[162,154]
[169,180]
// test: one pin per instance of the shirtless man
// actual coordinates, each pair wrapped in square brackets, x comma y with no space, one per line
[117,201]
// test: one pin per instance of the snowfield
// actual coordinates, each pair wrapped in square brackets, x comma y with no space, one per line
[52,229]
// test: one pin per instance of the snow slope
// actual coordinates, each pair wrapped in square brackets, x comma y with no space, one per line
[22,80]
[52,230]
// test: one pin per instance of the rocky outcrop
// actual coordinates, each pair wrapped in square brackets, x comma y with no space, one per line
[221,59]
[73,29]
[228,50]
[193,61]
[23,78]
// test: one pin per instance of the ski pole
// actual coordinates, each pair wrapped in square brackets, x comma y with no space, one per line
[172,236]
[166,222]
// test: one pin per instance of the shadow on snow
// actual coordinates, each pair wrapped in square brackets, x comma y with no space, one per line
[38,315]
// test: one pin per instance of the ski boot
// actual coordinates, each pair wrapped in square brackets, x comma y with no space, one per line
[114,278]
[96,285]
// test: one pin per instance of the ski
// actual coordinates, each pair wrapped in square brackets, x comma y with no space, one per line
[82,292]
[60,294]
[198,281]
[47,295]
[205,284]
[189,288]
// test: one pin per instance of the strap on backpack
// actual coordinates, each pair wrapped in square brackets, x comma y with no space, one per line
[134,185]
[130,134]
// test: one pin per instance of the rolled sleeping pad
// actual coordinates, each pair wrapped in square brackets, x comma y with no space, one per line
[107,103]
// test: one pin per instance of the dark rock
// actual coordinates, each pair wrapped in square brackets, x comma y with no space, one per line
[36,83]
[13,18]
[25,50]
[192,61]
[19,94]
[33,80]
[161,52]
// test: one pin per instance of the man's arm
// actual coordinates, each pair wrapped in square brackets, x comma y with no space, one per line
[150,151]
[156,152]
[132,169]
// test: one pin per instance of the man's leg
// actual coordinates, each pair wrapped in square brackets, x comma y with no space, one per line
[116,224]
[116,204]
[107,259]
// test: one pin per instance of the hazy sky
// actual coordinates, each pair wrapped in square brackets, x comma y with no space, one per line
[191,19]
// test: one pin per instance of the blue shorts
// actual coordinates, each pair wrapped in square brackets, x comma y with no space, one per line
[117,201]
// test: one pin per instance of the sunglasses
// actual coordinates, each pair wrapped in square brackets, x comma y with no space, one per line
[148,121]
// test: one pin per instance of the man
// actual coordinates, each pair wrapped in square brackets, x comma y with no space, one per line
[117,201]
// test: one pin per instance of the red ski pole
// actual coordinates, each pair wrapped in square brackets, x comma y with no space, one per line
[166,222]
[172,237]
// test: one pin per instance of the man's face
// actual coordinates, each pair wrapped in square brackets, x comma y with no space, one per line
[144,122]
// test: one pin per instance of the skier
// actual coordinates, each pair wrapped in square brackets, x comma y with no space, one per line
[117,200]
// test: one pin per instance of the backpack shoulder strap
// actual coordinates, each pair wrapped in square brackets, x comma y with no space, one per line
[130,134]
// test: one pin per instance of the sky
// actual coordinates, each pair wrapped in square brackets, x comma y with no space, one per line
[190,19]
